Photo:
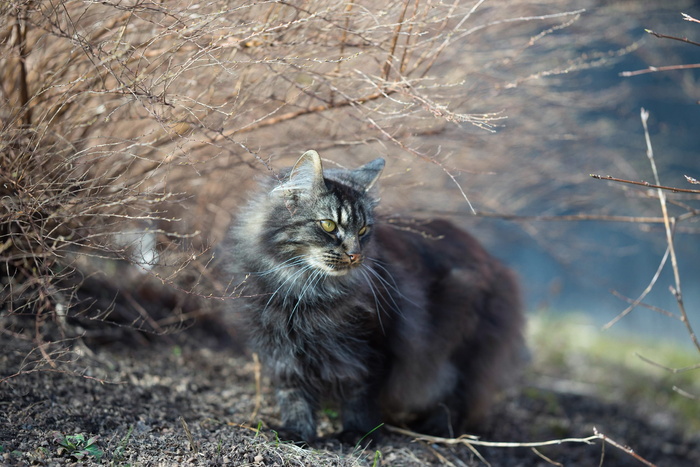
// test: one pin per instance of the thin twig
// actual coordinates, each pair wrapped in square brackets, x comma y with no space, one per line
[547,459]
[668,368]
[21,42]
[646,184]
[641,297]
[257,369]
[188,433]
[689,18]
[675,38]
[394,41]
[469,439]
[407,49]
[426,158]
[676,290]
[310,110]
[685,393]
[654,69]
[474,441]
[656,309]
[575,217]
[626,449]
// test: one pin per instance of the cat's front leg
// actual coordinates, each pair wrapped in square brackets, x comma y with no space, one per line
[361,416]
[298,414]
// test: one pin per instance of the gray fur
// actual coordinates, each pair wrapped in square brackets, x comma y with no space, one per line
[412,323]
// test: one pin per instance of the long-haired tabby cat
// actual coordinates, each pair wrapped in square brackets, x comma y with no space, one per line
[411,324]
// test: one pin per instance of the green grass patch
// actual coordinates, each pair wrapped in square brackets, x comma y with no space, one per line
[618,366]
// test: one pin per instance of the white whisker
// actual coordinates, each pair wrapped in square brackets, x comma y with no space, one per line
[291,278]
[310,283]
[291,262]
[393,285]
[377,302]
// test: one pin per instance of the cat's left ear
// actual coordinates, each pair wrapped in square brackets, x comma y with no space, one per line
[307,174]
[367,175]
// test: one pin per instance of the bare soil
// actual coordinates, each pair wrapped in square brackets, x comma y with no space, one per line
[190,399]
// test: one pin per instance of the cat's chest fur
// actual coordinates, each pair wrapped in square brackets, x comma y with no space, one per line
[321,337]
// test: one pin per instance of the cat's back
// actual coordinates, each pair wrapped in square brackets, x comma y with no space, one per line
[436,246]
[460,330]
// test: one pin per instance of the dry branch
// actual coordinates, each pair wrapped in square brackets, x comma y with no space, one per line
[645,184]
[666,36]
[469,440]
[668,223]
[634,303]
[655,69]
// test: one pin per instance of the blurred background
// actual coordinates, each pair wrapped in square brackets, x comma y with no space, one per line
[131,134]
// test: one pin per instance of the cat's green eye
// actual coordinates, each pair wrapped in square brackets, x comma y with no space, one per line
[363,230]
[328,225]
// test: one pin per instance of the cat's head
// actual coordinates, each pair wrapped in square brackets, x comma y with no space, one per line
[323,219]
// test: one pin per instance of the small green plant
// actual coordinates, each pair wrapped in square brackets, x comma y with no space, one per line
[258,429]
[377,458]
[118,454]
[77,447]
[4,450]
[359,443]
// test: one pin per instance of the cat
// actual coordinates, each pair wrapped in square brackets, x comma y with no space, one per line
[409,323]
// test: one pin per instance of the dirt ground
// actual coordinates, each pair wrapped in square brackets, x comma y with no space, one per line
[190,399]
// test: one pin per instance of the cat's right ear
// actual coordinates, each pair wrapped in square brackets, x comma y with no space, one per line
[306,175]
[368,174]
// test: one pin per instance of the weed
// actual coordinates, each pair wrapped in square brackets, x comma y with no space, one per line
[77,447]
[259,428]
[377,458]
[15,453]
[359,443]
[118,455]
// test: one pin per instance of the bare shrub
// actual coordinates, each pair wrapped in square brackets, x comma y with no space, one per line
[128,129]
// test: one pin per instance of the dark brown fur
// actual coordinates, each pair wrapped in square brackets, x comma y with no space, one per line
[473,320]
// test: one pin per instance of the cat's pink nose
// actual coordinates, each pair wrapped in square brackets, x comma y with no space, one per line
[354,257]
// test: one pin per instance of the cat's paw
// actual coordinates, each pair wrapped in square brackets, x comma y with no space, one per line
[302,438]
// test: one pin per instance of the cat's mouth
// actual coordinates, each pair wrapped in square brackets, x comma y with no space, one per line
[340,269]
[339,265]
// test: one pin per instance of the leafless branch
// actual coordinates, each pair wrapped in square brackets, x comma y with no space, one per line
[668,223]
[655,69]
[469,440]
[675,38]
[641,297]
[667,368]
[645,184]
[623,448]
